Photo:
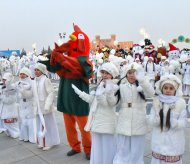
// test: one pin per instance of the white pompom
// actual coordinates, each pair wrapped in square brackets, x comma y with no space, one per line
[139,89]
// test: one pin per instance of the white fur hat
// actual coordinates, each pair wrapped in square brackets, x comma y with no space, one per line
[131,66]
[169,79]
[26,71]
[110,68]
[41,67]
[8,76]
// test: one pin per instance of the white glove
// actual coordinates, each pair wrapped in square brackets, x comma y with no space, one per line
[77,91]
[109,85]
[100,89]
[140,75]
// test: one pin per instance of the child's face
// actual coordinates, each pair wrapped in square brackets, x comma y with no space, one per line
[23,76]
[166,63]
[150,60]
[105,75]
[168,89]
[38,73]
[131,76]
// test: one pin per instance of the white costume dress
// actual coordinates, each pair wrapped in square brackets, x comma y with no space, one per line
[186,79]
[151,72]
[132,125]
[168,144]
[45,93]
[9,111]
[102,122]
[27,114]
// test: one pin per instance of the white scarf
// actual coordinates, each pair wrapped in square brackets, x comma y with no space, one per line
[41,133]
[167,99]
[40,87]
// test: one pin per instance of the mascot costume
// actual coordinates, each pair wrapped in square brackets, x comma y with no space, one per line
[71,62]
[149,50]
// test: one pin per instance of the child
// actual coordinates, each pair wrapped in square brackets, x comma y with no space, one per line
[164,68]
[132,125]
[9,107]
[102,117]
[26,109]
[186,78]
[151,70]
[48,134]
[168,118]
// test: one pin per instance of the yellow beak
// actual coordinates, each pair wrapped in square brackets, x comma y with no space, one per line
[73,37]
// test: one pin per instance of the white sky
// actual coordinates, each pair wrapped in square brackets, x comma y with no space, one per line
[24,22]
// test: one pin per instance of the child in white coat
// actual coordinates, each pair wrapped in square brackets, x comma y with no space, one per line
[102,118]
[9,107]
[27,114]
[132,125]
[186,78]
[47,130]
[168,118]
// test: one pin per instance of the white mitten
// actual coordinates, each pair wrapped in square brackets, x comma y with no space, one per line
[100,89]
[26,86]
[140,75]
[77,91]
[109,85]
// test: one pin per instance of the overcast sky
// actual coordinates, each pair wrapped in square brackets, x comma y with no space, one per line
[24,22]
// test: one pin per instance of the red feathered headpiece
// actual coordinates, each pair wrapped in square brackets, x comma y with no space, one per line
[78,45]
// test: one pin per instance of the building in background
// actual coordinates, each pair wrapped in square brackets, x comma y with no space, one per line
[109,42]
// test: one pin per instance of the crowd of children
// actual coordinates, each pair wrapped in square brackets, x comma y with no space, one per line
[27,106]
[118,120]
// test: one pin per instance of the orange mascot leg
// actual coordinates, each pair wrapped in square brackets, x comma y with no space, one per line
[86,136]
[71,132]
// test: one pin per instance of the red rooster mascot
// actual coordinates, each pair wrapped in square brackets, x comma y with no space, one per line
[71,62]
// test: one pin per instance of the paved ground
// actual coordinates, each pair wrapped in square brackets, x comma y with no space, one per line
[13,151]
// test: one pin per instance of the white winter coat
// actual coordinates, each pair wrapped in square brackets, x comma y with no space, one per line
[168,142]
[132,120]
[26,101]
[8,103]
[102,119]
[186,77]
[45,93]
